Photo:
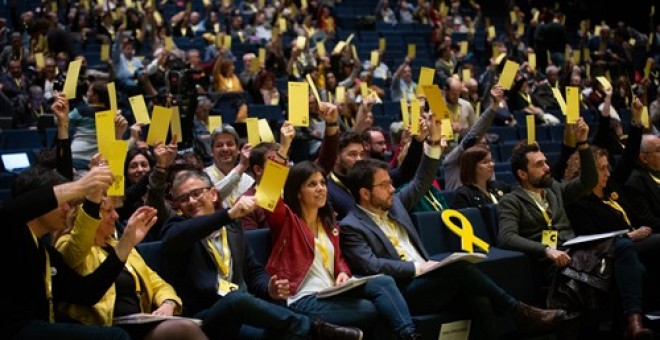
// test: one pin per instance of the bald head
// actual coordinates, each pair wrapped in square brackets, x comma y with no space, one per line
[454,89]
[649,152]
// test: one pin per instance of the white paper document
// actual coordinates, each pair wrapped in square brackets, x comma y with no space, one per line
[351,283]
[459,256]
[594,237]
[140,318]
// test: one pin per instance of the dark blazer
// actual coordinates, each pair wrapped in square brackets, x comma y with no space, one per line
[365,246]
[644,195]
[24,297]
[470,196]
[192,268]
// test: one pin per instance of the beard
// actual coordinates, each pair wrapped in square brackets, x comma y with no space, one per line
[543,182]
[381,203]
[378,156]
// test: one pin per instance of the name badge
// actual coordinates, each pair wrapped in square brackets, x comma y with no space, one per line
[225,287]
[550,238]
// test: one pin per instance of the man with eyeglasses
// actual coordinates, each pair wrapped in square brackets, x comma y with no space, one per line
[644,184]
[378,236]
[216,273]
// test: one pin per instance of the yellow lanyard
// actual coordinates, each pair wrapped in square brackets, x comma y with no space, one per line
[221,261]
[391,235]
[337,180]
[319,243]
[526,97]
[545,214]
[656,179]
[456,113]
[48,281]
[495,201]
[433,201]
[616,206]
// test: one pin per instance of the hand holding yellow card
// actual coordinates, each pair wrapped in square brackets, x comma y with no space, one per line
[572,104]
[603,81]
[105,131]
[71,82]
[253,131]
[531,129]
[116,160]
[508,74]
[339,47]
[160,124]
[270,187]
[299,103]
[139,108]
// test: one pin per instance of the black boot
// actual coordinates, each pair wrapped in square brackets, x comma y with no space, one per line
[529,318]
[322,330]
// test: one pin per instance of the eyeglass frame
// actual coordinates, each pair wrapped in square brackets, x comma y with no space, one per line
[180,199]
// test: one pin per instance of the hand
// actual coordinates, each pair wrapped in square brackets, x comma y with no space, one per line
[278,289]
[426,266]
[244,161]
[287,134]
[638,107]
[136,131]
[608,92]
[559,257]
[435,128]
[640,233]
[60,109]
[139,224]
[581,130]
[97,180]
[166,309]
[423,130]
[121,125]
[329,112]
[497,93]
[242,207]
[341,278]
[165,154]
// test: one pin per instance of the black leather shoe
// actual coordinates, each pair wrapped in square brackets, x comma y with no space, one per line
[412,336]
[529,318]
[322,330]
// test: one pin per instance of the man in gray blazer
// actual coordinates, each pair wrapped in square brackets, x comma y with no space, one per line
[378,236]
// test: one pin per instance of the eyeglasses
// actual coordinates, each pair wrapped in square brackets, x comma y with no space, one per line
[384,185]
[195,194]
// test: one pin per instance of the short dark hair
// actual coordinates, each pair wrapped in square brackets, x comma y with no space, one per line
[298,174]
[225,129]
[100,89]
[258,154]
[36,177]
[362,175]
[519,156]
[469,160]
[134,152]
[347,138]
[366,134]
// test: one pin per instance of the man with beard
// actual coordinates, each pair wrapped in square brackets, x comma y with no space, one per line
[375,145]
[378,236]
[533,220]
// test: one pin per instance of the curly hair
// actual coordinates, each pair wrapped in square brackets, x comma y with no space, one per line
[573,164]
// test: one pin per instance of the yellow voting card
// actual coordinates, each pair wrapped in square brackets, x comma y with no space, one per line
[572,104]
[350,38]
[255,65]
[560,100]
[265,133]
[116,159]
[466,75]
[364,90]
[160,124]
[214,123]
[303,4]
[105,52]
[382,44]
[71,81]
[105,131]
[463,47]
[414,116]
[436,101]
[645,117]
[253,131]
[175,124]
[299,103]
[226,42]
[446,129]
[340,94]
[320,49]
[412,51]
[603,81]
[500,56]
[405,115]
[39,60]
[521,29]
[169,44]
[310,81]
[491,32]
[139,108]
[647,67]
[508,74]
[531,60]
[426,75]
[262,56]
[112,94]
[282,24]
[512,16]
[300,42]
[339,47]
[375,58]
[531,129]
[354,52]
[270,187]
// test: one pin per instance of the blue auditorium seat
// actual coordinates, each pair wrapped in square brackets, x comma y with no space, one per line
[268,112]
[506,133]
[21,139]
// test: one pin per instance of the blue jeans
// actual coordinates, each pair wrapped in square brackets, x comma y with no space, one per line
[69,331]
[225,317]
[361,306]
[460,285]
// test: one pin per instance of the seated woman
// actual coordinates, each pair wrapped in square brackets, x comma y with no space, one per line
[478,188]
[307,259]
[226,82]
[137,288]
[521,99]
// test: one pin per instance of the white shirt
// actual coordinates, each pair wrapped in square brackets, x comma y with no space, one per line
[317,277]
[230,186]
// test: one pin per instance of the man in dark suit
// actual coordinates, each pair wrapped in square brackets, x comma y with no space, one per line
[215,272]
[644,184]
[378,236]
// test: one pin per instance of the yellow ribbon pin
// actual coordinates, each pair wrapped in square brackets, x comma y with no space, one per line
[464,231]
